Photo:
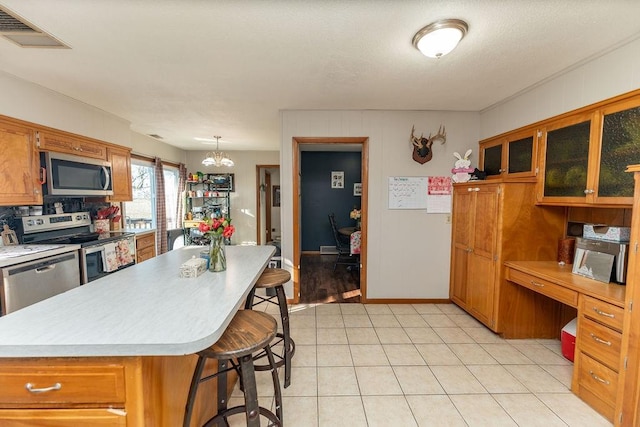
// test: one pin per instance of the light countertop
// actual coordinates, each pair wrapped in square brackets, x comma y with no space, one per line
[143,310]
[31,253]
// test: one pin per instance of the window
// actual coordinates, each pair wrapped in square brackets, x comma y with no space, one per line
[171,195]
[141,212]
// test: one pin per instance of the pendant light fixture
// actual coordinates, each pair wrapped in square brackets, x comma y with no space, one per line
[217,158]
[440,37]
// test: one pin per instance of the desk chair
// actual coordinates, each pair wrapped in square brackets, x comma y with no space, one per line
[344,251]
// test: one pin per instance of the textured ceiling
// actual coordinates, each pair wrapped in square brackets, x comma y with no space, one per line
[196,68]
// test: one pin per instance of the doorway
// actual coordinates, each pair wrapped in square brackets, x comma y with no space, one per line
[267,204]
[328,144]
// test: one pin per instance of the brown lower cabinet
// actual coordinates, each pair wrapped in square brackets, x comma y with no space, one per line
[492,223]
[145,246]
[104,391]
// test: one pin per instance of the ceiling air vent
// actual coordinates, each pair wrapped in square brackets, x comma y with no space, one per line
[153,135]
[22,33]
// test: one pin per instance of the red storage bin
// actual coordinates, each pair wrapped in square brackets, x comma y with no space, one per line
[568,339]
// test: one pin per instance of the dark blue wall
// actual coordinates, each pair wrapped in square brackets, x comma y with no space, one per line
[318,199]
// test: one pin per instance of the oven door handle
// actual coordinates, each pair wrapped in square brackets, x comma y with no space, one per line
[93,250]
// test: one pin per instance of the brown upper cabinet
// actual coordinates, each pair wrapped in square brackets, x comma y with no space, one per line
[65,143]
[583,157]
[19,166]
[509,156]
[120,159]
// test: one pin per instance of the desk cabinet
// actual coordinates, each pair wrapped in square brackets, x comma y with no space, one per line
[597,362]
[494,222]
[510,156]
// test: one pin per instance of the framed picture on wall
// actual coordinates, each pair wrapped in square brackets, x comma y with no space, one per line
[337,179]
[357,189]
[276,196]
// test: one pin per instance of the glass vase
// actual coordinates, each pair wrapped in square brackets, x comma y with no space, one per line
[217,256]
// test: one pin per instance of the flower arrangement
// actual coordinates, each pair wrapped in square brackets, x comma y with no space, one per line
[355,214]
[217,227]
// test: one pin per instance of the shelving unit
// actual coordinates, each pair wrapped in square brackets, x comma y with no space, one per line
[206,197]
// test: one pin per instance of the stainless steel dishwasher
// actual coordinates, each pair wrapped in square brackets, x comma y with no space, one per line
[30,282]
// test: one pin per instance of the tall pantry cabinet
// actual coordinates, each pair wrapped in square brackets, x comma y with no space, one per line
[493,223]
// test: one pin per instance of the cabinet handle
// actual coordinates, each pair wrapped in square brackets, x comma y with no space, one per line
[602,313]
[534,283]
[588,191]
[469,250]
[29,387]
[600,340]
[597,378]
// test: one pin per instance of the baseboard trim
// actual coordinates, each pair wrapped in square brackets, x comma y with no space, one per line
[405,301]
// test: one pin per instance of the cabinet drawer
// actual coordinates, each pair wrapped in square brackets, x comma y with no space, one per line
[602,312]
[598,379]
[61,418]
[69,385]
[146,241]
[144,254]
[544,287]
[600,342]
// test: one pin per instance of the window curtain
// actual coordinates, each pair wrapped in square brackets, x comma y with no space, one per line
[182,180]
[161,212]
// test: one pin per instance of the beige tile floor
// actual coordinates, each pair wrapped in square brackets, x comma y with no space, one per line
[419,365]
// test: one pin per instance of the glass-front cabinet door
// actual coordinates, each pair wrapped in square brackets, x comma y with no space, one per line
[620,147]
[509,156]
[565,160]
[491,158]
[583,157]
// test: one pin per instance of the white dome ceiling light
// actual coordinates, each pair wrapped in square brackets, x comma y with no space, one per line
[440,37]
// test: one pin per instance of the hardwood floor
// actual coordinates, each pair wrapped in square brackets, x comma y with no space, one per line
[320,284]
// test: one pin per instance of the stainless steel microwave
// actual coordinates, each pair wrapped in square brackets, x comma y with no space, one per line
[68,175]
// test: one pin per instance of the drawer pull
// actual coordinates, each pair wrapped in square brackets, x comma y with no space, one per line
[600,340]
[29,387]
[602,313]
[597,378]
[534,283]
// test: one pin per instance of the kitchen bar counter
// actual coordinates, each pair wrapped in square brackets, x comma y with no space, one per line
[144,310]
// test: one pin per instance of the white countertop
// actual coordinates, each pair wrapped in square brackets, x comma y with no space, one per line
[143,310]
[12,255]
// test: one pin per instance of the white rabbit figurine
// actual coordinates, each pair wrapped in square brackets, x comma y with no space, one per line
[462,170]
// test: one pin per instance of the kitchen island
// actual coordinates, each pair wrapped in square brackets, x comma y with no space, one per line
[120,350]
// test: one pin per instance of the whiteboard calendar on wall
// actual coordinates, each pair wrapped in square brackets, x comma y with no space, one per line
[432,193]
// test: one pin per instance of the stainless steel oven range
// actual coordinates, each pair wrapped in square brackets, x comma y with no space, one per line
[100,254]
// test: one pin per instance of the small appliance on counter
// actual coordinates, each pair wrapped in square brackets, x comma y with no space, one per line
[601,260]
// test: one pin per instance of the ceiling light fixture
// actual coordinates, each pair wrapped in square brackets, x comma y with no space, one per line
[217,158]
[440,37]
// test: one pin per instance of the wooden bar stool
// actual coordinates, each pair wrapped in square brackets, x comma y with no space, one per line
[275,278]
[248,332]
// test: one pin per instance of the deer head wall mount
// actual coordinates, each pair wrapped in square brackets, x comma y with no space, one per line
[422,152]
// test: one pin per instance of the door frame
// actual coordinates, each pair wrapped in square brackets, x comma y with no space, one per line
[297,142]
[259,183]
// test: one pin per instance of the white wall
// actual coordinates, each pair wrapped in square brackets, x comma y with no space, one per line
[147,146]
[613,74]
[27,101]
[243,199]
[408,250]
[30,102]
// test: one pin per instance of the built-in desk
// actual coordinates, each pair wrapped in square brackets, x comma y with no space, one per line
[600,312]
